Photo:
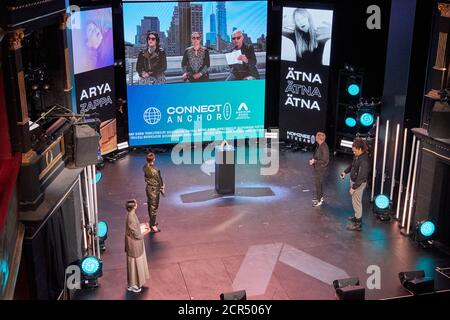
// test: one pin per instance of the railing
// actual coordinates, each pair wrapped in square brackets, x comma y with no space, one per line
[218,70]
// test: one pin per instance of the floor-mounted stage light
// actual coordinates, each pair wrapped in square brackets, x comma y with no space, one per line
[102,232]
[381,207]
[98,176]
[91,269]
[416,282]
[349,289]
[425,232]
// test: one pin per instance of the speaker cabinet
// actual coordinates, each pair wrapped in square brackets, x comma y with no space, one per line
[86,142]
[440,121]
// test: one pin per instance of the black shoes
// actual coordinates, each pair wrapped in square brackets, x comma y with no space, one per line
[356,224]
[317,203]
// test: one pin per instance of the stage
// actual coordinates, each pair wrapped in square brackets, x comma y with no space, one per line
[267,239]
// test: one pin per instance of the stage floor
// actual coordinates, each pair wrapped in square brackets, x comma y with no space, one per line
[267,239]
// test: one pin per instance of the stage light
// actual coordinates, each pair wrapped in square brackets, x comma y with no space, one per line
[416,282]
[102,232]
[350,117]
[349,289]
[427,229]
[353,89]
[382,202]
[382,207]
[346,143]
[425,232]
[350,122]
[235,295]
[366,119]
[91,269]
[98,176]
[122,146]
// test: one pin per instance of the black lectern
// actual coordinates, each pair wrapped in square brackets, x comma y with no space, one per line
[225,169]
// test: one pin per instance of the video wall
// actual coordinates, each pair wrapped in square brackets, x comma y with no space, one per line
[195,71]
[304,69]
[93,63]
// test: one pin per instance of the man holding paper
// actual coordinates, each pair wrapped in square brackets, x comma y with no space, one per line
[242,59]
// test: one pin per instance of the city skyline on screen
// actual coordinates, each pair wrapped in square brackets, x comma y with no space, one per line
[248,16]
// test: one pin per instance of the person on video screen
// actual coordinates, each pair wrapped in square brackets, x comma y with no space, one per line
[100,46]
[247,69]
[195,63]
[311,44]
[152,61]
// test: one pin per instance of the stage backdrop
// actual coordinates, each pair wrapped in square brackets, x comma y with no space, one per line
[305,60]
[93,63]
[219,107]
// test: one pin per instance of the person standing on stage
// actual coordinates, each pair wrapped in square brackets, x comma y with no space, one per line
[320,161]
[359,172]
[137,267]
[155,187]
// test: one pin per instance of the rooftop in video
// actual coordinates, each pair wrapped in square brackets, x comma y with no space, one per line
[254,150]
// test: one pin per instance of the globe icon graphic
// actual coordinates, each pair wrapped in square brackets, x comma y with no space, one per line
[152,115]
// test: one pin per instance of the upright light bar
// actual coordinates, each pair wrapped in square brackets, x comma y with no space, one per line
[374,170]
[400,186]
[383,173]
[411,160]
[413,187]
[394,165]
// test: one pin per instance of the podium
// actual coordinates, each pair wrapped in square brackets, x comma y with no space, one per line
[225,169]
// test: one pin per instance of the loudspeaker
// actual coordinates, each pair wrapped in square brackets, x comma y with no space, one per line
[410,275]
[440,121]
[420,285]
[345,282]
[86,142]
[236,295]
[351,293]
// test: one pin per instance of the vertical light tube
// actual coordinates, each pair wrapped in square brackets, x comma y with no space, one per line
[400,186]
[88,203]
[83,221]
[94,198]
[383,174]
[394,165]
[92,218]
[413,187]
[374,170]
[411,160]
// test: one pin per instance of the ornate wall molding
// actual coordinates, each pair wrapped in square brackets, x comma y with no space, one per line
[15,39]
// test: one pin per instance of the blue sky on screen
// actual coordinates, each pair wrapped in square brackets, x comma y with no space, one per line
[249,16]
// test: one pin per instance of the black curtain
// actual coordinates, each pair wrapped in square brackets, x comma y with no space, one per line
[54,247]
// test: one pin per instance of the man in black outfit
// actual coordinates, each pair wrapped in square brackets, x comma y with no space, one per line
[359,172]
[320,161]
[247,69]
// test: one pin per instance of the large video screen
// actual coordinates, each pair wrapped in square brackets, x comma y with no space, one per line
[92,39]
[306,38]
[195,71]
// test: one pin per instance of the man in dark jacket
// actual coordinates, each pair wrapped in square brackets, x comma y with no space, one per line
[359,172]
[320,161]
[247,69]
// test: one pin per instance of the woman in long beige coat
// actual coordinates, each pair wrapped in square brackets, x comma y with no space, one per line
[137,267]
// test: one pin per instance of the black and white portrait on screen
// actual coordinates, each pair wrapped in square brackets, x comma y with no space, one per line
[306,36]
